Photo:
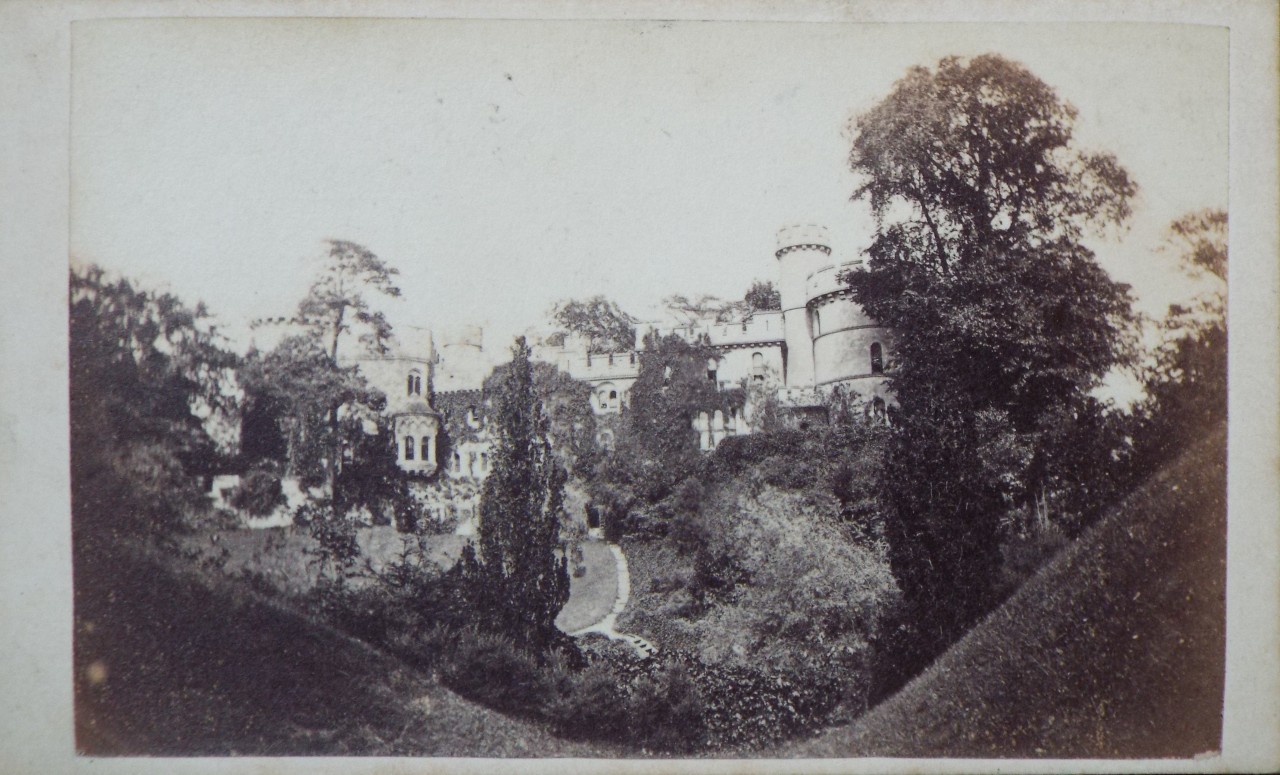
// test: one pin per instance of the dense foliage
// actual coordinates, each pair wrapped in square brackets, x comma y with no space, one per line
[571,424]
[148,377]
[658,446]
[521,579]
[1186,385]
[600,322]
[1004,319]
[762,296]
[301,387]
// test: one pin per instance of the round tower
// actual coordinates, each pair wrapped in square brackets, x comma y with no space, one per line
[802,251]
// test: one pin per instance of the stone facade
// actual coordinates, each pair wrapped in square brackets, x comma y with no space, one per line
[819,344]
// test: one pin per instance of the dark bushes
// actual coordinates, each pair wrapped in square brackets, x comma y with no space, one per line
[259,492]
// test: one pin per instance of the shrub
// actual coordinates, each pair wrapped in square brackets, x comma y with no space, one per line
[491,669]
[259,493]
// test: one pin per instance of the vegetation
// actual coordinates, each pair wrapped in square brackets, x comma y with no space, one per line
[602,323]
[1005,322]
[762,296]
[521,578]
[1115,650]
[1186,385]
[571,423]
[658,448]
[148,377]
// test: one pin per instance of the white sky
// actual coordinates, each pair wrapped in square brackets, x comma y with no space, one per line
[502,166]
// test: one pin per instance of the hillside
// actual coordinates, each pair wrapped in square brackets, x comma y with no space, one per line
[1115,649]
[171,662]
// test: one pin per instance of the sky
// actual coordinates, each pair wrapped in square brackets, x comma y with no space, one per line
[502,166]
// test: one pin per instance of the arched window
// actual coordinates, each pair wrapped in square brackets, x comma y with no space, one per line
[877,359]
[757,367]
[415,383]
[408,448]
[613,395]
[425,449]
[817,323]
[484,461]
[876,409]
[457,462]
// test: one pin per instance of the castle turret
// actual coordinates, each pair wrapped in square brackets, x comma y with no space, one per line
[802,251]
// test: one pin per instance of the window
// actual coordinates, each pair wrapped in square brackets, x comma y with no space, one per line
[414,383]
[613,395]
[711,369]
[757,367]
[425,449]
[408,448]
[877,358]
[817,323]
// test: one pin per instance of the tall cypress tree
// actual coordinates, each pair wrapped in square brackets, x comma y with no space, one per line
[522,569]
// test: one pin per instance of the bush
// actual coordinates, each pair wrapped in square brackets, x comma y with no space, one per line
[491,669]
[259,493]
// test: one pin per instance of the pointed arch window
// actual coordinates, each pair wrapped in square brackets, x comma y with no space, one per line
[877,358]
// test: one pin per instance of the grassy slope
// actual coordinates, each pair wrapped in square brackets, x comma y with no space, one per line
[189,665]
[1115,649]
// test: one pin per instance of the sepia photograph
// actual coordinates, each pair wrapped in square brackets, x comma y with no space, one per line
[617,389]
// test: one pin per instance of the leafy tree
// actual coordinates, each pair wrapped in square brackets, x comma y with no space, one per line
[601,322]
[146,372]
[762,296]
[658,446]
[1004,317]
[571,424]
[322,402]
[521,575]
[703,308]
[1186,386]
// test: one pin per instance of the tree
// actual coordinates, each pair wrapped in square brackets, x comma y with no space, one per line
[703,308]
[1003,317]
[521,574]
[321,401]
[571,424]
[1186,385]
[146,375]
[762,296]
[601,322]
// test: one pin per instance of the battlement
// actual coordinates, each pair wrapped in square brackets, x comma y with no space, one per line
[761,327]
[827,280]
[801,236]
[599,367]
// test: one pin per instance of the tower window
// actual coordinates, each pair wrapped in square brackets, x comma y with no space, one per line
[613,395]
[424,449]
[877,358]
[757,367]
[408,448]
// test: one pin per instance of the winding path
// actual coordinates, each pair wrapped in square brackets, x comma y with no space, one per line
[606,625]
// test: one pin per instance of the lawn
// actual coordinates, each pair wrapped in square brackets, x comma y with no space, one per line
[1115,649]
[591,596]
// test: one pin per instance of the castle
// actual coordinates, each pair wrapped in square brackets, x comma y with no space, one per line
[818,344]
